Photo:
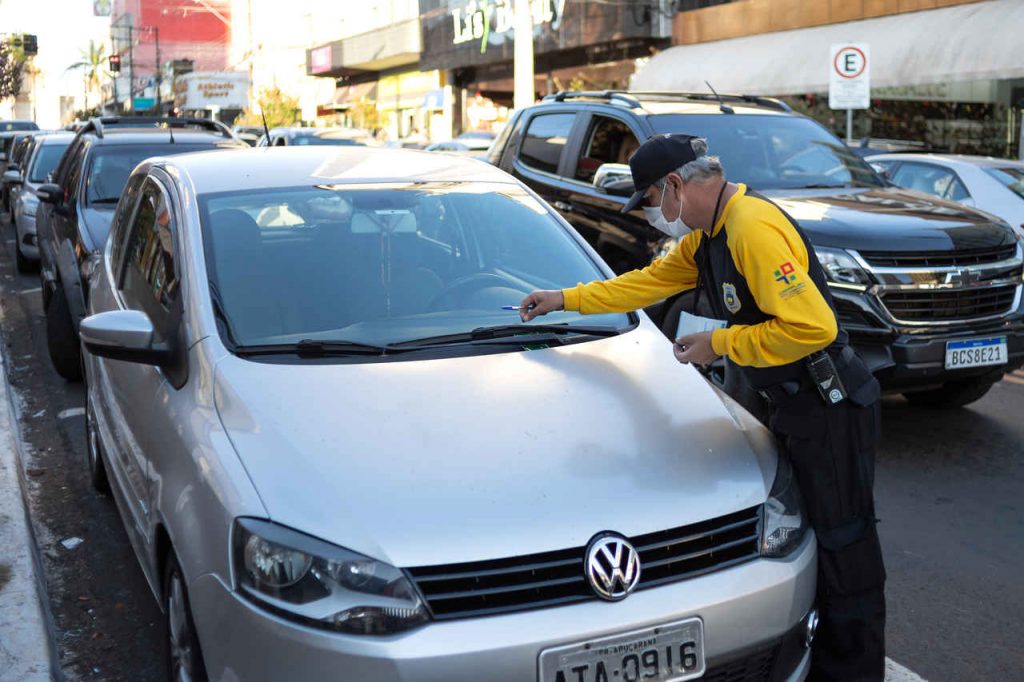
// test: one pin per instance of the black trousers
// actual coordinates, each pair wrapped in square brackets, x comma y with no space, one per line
[832,450]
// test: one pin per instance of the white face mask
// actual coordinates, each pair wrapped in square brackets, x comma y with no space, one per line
[656,219]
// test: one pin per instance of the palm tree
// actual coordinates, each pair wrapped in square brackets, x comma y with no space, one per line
[92,63]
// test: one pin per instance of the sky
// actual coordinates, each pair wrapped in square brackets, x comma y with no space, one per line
[64,28]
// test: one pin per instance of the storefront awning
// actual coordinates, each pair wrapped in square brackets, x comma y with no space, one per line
[973,42]
[346,96]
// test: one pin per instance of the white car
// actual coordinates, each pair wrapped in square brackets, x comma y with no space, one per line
[993,185]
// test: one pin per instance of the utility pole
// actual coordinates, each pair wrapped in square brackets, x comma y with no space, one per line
[159,67]
[522,69]
[131,69]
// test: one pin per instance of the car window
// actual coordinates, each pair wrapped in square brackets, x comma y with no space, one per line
[1011,177]
[45,161]
[773,151]
[122,219]
[930,179]
[110,166]
[545,140]
[150,281]
[609,141]
[74,174]
[385,263]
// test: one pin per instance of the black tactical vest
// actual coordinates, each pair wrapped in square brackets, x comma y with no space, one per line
[726,291]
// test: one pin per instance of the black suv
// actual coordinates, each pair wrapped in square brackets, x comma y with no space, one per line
[76,210]
[930,291]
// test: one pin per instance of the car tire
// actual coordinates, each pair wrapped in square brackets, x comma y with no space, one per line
[952,395]
[182,655]
[94,451]
[61,339]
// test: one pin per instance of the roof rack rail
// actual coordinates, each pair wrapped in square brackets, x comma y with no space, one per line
[770,102]
[99,123]
[611,95]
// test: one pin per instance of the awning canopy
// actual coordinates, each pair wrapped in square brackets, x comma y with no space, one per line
[979,41]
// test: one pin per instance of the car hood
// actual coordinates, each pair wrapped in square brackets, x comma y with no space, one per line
[889,219]
[452,460]
[97,223]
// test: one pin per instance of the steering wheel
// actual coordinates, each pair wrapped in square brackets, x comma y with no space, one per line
[461,286]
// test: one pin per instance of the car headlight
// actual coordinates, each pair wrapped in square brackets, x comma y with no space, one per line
[320,584]
[784,526]
[841,268]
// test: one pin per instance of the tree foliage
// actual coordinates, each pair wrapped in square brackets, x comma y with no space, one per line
[279,108]
[93,65]
[12,69]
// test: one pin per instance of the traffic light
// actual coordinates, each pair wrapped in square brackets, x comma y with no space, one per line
[115,63]
[30,44]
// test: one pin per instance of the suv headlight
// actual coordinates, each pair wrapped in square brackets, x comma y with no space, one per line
[320,584]
[784,526]
[841,268]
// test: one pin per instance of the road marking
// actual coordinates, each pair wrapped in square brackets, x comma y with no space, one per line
[894,672]
[71,412]
[31,291]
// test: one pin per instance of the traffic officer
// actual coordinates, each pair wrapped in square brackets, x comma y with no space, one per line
[757,270]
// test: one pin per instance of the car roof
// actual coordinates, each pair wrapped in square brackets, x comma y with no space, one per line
[658,103]
[139,135]
[951,159]
[271,167]
[55,137]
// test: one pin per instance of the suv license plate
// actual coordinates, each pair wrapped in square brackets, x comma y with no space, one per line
[976,353]
[664,654]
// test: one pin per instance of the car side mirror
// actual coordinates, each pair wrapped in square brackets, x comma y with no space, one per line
[126,335]
[12,177]
[50,193]
[615,179]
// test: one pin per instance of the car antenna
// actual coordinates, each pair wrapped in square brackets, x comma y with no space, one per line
[721,102]
[170,131]
[266,130]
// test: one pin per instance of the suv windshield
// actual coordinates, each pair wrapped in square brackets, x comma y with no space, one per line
[774,152]
[46,160]
[384,263]
[111,165]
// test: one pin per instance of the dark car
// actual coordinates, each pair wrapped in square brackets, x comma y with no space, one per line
[930,291]
[77,207]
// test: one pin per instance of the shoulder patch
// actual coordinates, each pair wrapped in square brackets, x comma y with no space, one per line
[787,277]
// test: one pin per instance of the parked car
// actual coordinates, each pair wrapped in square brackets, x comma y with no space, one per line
[918,282]
[42,156]
[281,414]
[17,124]
[77,207]
[248,134]
[995,186]
[344,137]
[15,145]
[869,146]
[474,147]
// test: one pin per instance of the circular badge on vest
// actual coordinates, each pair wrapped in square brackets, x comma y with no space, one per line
[732,301]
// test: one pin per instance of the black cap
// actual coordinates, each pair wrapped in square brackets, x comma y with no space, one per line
[656,158]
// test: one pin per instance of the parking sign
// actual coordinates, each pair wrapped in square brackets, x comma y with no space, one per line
[849,84]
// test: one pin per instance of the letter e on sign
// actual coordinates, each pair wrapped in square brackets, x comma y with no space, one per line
[849,83]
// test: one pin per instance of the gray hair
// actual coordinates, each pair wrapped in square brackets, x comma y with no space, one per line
[701,169]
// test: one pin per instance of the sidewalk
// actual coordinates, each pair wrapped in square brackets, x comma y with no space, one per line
[25,640]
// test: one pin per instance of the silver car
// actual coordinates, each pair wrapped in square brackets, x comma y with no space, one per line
[41,161]
[339,455]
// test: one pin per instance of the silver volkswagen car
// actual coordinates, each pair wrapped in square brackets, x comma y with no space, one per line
[338,453]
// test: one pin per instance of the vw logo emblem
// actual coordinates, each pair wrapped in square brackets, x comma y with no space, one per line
[613,567]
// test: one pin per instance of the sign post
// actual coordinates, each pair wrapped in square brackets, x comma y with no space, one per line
[849,83]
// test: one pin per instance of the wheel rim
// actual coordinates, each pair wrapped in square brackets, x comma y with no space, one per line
[179,631]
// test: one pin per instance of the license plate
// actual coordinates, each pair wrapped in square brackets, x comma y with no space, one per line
[663,654]
[976,353]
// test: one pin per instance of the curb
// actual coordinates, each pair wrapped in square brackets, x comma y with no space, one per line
[27,637]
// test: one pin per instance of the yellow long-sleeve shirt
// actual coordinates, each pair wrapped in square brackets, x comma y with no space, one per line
[768,253]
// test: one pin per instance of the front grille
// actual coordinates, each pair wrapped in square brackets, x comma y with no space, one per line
[945,305]
[753,667]
[556,578]
[937,259]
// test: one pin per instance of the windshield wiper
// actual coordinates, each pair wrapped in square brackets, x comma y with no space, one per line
[313,349]
[822,185]
[507,331]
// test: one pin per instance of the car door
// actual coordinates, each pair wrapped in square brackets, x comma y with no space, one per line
[540,155]
[142,278]
[624,241]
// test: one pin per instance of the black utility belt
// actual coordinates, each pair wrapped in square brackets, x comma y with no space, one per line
[819,373]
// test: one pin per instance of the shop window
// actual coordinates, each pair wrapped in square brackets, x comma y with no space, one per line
[934,180]
[545,139]
[610,141]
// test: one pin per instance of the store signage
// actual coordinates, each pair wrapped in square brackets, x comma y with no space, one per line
[223,90]
[480,19]
[321,59]
[849,85]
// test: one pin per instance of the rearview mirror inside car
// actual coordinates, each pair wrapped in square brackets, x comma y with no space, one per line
[50,193]
[126,335]
[392,221]
[615,179]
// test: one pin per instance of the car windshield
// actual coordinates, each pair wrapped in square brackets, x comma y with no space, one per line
[1011,177]
[323,140]
[46,160]
[385,263]
[17,125]
[111,165]
[774,152]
